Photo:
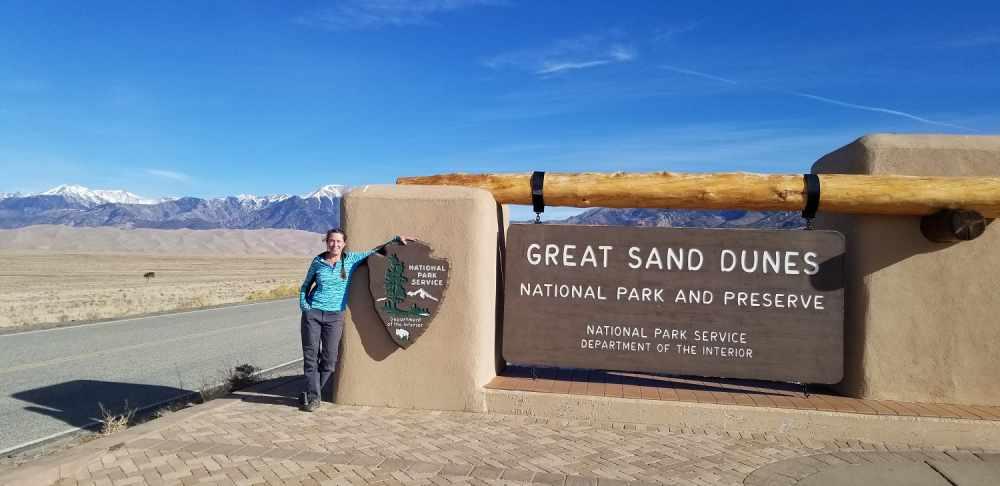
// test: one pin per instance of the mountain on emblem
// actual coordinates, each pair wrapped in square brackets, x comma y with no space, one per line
[407,287]
[423,294]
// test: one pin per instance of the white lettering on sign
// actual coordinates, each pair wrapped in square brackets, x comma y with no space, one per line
[614,345]
[777,262]
[720,336]
[727,352]
[773,299]
[399,321]
[673,334]
[565,291]
[565,255]
[639,294]
[426,268]
[713,343]
[694,297]
[616,331]
[690,259]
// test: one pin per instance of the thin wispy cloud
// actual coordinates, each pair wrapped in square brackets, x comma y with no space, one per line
[822,99]
[375,14]
[700,74]
[552,68]
[877,110]
[566,55]
[169,174]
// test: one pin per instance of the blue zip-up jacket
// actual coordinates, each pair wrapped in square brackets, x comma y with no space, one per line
[331,290]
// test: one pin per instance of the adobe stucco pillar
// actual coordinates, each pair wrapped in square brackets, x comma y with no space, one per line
[922,318]
[446,368]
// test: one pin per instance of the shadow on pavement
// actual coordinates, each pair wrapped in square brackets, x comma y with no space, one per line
[285,393]
[76,402]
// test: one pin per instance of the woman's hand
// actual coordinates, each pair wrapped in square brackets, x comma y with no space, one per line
[406,239]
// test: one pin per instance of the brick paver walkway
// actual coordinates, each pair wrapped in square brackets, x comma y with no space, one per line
[793,471]
[746,393]
[265,439]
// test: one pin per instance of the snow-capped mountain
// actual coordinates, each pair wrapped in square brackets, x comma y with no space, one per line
[76,205]
[688,218]
[87,196]
[328,191]
[261,201]
[5,195]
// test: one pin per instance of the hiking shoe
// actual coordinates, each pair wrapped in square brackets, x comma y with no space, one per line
[312,405]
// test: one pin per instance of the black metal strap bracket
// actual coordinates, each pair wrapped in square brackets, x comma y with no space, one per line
[812,198]
[537,198]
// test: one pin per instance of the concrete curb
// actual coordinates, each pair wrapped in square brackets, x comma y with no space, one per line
[48,470]
[810,425]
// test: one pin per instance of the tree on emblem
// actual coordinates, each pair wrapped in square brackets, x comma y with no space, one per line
[395,290]
[395,285]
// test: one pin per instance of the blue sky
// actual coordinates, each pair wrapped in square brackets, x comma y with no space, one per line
[211,98]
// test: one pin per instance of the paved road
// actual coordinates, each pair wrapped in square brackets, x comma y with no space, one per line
[52,380]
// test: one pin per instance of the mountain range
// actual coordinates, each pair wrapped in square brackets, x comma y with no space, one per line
[74,205]
[689,218]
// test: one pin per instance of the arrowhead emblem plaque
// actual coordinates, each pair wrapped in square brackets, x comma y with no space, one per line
[408,286]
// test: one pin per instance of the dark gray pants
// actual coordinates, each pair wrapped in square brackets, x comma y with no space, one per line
[321,332]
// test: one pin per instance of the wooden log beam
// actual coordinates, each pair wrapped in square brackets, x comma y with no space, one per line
[841,193]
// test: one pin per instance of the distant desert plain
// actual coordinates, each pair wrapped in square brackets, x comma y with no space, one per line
[60,274]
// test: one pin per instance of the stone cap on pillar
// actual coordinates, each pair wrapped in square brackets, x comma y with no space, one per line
[915,154]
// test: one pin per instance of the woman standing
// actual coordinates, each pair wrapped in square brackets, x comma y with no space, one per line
[323,310]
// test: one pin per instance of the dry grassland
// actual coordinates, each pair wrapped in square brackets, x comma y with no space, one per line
[48,287]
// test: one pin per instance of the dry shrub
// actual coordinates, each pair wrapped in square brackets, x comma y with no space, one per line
[112,422]
[243,376]
[196,302]
[234,378]
[280,292]
[170,408]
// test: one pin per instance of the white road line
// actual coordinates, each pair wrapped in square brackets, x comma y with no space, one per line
[43,439]
[140,409]
[119,321]
[131,347]
[282,365]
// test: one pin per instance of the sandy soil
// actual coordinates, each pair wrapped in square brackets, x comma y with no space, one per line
[52,287]
[60,274]
[67,239]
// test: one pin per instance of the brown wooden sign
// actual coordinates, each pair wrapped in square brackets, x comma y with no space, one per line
[407,286]
[761,304]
